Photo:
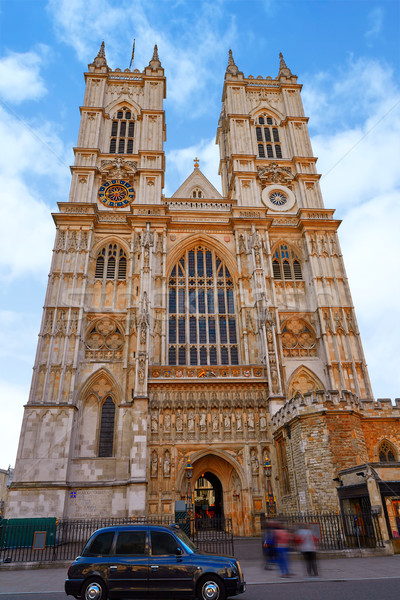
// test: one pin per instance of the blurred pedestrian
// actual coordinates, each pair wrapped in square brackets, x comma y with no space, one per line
[283,542]
[307,544]
[269,545]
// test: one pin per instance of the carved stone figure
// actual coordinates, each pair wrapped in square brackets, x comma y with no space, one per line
[263,421]
[154,464]
[167,464]
[215,422]
[167,422]
[191,421]
[154,423]
[239,425]
[250,420]
[227,422]
[179,421]
[254,462]
[203,420]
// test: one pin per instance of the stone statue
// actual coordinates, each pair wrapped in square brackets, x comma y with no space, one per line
[167,464]
[179,421]
[254,462]
[167,422]
[191,421]
[154,464]
[203,420]
[239,425]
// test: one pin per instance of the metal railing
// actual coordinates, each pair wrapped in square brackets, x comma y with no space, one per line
[42,540]
[339,531]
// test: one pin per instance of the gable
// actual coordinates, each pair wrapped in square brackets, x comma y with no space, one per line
[194,183]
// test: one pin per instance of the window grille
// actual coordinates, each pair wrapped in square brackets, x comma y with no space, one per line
[286,263]
[111,263]
[267,137]
[122,132]
[202,326]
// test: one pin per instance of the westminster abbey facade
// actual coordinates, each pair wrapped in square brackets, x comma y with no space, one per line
[215,328]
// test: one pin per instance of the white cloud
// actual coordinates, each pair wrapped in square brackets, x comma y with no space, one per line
[361,179]
[375,23]
[12,399]
[20,77]
[25,215]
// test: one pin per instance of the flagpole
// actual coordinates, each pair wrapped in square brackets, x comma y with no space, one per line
[133,54]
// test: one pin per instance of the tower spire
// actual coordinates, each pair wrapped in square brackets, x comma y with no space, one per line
[283,69]
[155,61]
[100,60]
[232,67]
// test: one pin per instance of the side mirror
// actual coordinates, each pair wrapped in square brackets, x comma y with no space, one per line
[179,551]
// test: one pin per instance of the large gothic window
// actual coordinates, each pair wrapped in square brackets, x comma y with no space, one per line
[111,263]
[267,136]
[122,132]
[285,263]
[202,326]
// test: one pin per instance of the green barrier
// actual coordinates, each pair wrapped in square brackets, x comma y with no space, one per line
[20,533]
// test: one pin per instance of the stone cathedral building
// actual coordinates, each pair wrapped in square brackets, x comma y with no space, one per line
[213,327]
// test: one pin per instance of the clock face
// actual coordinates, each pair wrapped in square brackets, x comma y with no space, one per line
[116,193]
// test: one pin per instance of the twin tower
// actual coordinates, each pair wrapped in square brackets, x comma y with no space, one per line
[208,327]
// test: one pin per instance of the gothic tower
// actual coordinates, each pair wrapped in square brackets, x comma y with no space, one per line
[180,328]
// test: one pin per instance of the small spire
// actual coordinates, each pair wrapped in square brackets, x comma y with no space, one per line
[101,53]
[155,53]
[283,69]
[155,61]
[231,68]
[100,60]
[196,163]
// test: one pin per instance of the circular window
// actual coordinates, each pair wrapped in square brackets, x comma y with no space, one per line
[278,198]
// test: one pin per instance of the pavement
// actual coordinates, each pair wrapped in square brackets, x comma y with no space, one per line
[20,578]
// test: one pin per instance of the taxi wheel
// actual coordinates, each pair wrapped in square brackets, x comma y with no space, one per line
[211,588]
[94,589]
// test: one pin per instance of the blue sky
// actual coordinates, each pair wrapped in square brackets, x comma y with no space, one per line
[346,54]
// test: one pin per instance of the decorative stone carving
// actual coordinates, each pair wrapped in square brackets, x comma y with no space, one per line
[298,338]
[154,464]
[254,462]
[275,174]
[167,464]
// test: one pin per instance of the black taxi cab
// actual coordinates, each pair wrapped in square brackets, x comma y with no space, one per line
[150,561]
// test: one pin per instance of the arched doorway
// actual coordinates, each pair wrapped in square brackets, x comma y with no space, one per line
[226,481]
[208,496]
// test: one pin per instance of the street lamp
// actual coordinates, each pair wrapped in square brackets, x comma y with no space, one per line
[189,500]
[270,496]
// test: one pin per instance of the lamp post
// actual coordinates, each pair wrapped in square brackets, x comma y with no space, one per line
[189,500]
[270,496]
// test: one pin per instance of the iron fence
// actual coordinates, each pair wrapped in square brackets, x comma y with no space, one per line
[42,540]
[340,531]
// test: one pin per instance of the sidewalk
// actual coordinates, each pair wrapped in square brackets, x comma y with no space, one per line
[48,580]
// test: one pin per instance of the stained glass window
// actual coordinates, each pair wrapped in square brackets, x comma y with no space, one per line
[285,263]
[122,132]
[199,283]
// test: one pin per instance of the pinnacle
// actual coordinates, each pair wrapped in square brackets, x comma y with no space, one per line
[155,53]
[100,60]
[232,67]
[101,52]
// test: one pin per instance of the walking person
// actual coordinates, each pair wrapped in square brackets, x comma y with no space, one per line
[283,541]
[307,543]
[269,547]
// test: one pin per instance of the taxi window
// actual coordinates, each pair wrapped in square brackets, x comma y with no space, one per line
[163,543]
[100,545]
[131,542]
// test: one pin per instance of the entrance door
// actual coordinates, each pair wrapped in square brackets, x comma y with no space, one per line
[208,496]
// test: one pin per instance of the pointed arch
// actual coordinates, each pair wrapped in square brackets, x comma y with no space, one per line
[387,452]
[286,261]
[207,240]
[303,381]
[102,376]
[116,104]
[264,107]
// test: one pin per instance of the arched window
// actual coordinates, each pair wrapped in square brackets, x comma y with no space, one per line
[197,193]
[267,136]
[285,263]
[106,438]
[111,263]
[201,311]
[122,132]
[386,452]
